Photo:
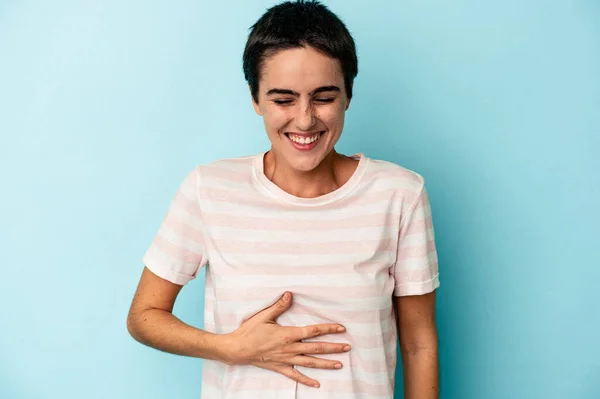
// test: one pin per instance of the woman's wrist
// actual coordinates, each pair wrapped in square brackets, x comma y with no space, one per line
[224,348]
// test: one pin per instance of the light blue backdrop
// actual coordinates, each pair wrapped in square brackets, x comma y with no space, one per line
[105,106]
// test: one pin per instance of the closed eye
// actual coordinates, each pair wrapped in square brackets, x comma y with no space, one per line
[318,100]
[325,100]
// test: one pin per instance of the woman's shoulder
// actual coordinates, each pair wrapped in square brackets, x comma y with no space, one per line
[224,173]
[400,176]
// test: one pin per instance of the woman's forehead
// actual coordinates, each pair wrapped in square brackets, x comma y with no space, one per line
[303,68]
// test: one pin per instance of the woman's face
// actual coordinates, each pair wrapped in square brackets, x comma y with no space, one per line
[302,100]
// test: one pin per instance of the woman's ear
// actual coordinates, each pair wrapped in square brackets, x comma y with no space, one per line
[349,99]
[255,104]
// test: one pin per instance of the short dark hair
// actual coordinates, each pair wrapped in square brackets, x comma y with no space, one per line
[294,24]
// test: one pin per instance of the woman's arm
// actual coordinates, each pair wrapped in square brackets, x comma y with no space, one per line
[418,345]
[259,341]
[151,322]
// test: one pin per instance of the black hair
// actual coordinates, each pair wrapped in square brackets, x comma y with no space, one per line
[294,24]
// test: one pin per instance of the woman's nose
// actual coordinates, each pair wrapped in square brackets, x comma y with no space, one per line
[305,118]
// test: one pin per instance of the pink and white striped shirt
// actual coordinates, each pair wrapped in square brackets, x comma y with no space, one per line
[343,255]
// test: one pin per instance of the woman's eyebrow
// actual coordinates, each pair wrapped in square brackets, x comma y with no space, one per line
[282,91]
[325,89]
[296,94]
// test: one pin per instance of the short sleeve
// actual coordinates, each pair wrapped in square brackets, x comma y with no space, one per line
[416,268]
[177,252]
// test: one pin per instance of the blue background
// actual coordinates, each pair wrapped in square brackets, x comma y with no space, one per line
[105,107]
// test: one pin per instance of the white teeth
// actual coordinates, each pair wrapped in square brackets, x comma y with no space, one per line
[304,140]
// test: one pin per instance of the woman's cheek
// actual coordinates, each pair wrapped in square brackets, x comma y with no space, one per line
[272,123]
[333,118]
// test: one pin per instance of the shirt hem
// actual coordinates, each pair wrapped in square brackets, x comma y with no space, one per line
[164,272]
[417,288]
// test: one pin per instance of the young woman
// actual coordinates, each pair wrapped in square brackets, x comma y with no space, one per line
[314,260]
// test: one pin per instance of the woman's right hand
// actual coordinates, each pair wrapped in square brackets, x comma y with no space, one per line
[261,342]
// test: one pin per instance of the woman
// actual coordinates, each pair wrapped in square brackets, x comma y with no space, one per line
[311,257]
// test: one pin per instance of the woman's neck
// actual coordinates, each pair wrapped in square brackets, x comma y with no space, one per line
[332,173]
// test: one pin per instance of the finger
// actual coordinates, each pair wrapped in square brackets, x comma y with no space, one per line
[297,376]
[306,348]
[315,363]
[320,329]
[274,311]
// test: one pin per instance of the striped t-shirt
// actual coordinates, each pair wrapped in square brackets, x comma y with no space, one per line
[343,255]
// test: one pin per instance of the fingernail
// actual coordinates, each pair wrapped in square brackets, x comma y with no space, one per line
[315,385]
[286,296]
[346,348]
[341,329]
[338,365]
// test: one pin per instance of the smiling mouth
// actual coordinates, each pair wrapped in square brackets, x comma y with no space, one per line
[304,140]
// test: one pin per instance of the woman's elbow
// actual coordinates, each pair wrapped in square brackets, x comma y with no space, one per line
[133,325]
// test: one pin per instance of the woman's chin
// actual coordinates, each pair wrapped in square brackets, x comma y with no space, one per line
[306,162]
